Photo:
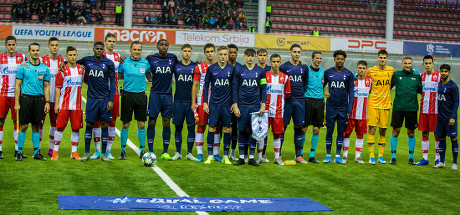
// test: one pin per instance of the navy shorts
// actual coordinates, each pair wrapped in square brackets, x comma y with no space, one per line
[339,115]
[444,129]
[160,103]
[220,113]
[182,111]
[294,108]
[97,109]
[245,119]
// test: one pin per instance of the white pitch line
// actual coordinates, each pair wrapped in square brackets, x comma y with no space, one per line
[158,171]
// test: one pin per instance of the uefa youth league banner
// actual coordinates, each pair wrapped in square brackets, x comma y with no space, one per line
[366,45]
[130,35]
[273,41]
[45,32]
[201,38]
[435,49]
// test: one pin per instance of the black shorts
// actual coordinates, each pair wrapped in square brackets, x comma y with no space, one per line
[31,110]
[133,102]
[314,112]
[397,119]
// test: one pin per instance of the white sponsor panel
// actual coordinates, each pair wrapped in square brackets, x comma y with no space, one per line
[44,33]
[367,45]
[201,38]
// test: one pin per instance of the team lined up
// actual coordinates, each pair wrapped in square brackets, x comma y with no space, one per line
[222,95]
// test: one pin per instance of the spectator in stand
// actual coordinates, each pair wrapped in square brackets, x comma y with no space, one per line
[315,32]
[99,17]
[103,2]
[147,20]
[154,19]
[61,17]
[118,13]
[80,18]
[93,4]
[231,24]
[212,22]
[41,15]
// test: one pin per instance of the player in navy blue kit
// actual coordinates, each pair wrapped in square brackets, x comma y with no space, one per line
[219,80]
[249,94]
[339,104]
[232,55]
[262,55]
[100,77]
[160,100]
[447,116]
[183,73]
[295,104]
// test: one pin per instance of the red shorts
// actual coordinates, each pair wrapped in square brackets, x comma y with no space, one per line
[202,116]
[427,122]
[76,119]
[116,106]
[277,125]
[360,126]
[7,103]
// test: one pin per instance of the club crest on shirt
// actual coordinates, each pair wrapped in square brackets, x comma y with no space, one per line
[40,77]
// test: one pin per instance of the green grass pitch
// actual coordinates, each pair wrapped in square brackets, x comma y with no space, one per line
[32,187]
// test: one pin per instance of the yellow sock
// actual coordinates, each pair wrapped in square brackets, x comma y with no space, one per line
[370,139]
[382,140]
[370,146]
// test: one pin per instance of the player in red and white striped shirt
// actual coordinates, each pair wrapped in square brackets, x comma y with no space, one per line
[68,97]
[9,65]
[428,108]
[358,117]
[278,89]
[197,102]
[52,61]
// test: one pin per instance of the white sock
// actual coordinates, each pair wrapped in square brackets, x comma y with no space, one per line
[346,145]
[51,135]
[15,137]
[74,138]
[276,147]
[260,148]
[199,139]
[97,138]
[425,147]
[251,156]
[359,147]
[216,147]
[111,138]
[1,140]
[57,140]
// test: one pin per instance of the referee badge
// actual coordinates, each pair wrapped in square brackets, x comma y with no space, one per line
[40,77]
[142,70]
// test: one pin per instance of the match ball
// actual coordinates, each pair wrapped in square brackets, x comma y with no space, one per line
[149,159]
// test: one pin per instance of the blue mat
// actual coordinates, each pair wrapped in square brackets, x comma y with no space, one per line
[212,204]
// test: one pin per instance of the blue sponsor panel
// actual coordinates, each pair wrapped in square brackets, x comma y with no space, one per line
[435,49]
[212,204]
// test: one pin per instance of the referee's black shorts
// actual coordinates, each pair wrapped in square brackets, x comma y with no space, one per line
[410,118]
[133,102]
[31,111]
[314,112]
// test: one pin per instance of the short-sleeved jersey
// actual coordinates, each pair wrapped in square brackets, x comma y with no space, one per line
[341,88]
[380,96]
[32,78]
[447,100]
[267,68]
[218,81]
[249,86]
[199,75]
[298,77]
[361,92]
[184,81]
[70,82]
[278,89]
[115,58]
[134,74]
[100,77]
[162,71]
[53,65]
[8,68]
[428,104]
[315,83]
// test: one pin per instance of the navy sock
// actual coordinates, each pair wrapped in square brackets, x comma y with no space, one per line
[340,137]
[329,133]
[190,138]
[210,142]
[227,140]
[297,140]
[178,138]
[88,137]
[282,141]
[166,138]
[234,138]
[265,146]
[241,142]
[455,151]
[104,139]
[252,146]
[150,136]
[442,150]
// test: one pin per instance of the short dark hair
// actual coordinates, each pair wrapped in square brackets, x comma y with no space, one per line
[98,43]
[34,44]
[340,52]
[315,53]
[135,43]
[382,52]
[274,56]
[209,45]
[185,46]
[161,40]
[51,39]
[407,58]
[427,57]
[250,52]
[232,46]
[10,38]
[109,35]
[260,51]
[295,46]
[362,62]
[222,48]
[70,48]
[445,66]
